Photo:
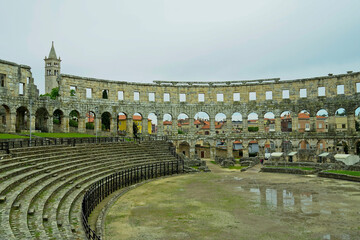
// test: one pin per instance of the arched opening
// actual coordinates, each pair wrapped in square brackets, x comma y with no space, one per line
[183,124]
[105,94]
[167,123]
[152,123]
[220,123]
[202,149]
[269,122]
[341,120]
[221,148]
[253,148]
[269,147]
[237,122]
[74,120]
[90,122]
[201,123]
[357,119]
[286,146]
[304,145]
[304,121]
[41,118]
[105,121]
[184,148]
[286,121]
[357,145]
[137,124]
[238,149]
[342,147]
[321,146]
[322,121]
[253,119]
[22,119]
[4,118]
[121,124]
[58,117]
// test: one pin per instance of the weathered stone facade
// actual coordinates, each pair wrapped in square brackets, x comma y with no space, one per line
[88,95]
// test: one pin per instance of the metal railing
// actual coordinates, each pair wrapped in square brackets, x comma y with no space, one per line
[7,145]
[104,187]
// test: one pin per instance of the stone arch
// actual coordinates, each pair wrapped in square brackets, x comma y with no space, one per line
[201,122]
[304,121]
[184,148]
[341,123]
[269,122]
[183,123]
[286,121]
[153,123]
[237,122]
[22,119]
[137,121]
[122,123]
[220,123]
[74,116]
[41,119]
[253,148]
[202,149]
[253,119]
[5,123]
[58,120]
[357,119]
[105,121]
[322,117]
[167,123]
[321,145]
[238,148]
[90,121]
[304,144]
[286,146]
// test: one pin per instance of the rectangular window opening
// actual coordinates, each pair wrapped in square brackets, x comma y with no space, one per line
[340,89]
[21,88]
[136,96]
[303,93]
[220,97]
[321,91]
[236,97]
[252,96]
[286,94]
[182,97]
[357,87]
[268,95]
[201,97]
[88,93]
[151,97]
[166,97]
[120,95]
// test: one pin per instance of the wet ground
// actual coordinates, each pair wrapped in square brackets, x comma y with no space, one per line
[228,204]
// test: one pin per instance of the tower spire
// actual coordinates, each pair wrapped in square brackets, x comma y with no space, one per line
[52,54]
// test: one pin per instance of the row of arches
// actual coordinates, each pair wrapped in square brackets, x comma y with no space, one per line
[201,122]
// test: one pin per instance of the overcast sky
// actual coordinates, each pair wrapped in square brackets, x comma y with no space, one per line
[151,40]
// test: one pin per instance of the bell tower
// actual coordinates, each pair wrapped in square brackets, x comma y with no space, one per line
[52,70]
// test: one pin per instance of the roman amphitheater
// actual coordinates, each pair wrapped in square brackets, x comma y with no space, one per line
[43,187]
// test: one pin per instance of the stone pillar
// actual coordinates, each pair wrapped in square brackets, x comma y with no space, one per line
[295,124]
[212,126]
[191,126]
[245,150]
[351,123]
[65,124]
[50,124]
[192,151]
[33,118]
[129,127]
[228,126]
[81,124]
[229,148]
[97,126]
[245,125]
[160,127]
[278,124]
[113,125]
[313,124]
[331,124]
[144,123]
[212,152]
[261,125]
[174,129]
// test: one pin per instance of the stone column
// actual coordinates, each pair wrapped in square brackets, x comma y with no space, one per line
[129,127]
[295,124]
[313,124]
[33,118]
[331,124]
[212,152]
[174,129]
[160,127]
[278,124]
[65,124]
[245,150]
[113,125]
[212,126]
[50,124]
[144,123]
[192,151]
[191,126]
[261,125]
[351,123]
[228,126]
[229,148]
[97,125]
[245,125]
[81,125]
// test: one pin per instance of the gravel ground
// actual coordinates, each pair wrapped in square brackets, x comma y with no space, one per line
[229,204]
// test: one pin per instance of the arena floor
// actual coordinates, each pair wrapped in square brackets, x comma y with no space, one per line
[228,204]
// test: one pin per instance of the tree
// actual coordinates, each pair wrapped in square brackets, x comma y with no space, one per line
[53,94]
[135,129]
[72,92]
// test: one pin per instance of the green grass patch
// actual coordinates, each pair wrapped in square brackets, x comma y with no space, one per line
[10,136]
[237,167]
[63,135]
[351,173]
[302,168]
[213,162]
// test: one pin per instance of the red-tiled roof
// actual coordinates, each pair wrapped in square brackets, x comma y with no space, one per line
[237,142]
[253,141]
[304,115]
[167,123]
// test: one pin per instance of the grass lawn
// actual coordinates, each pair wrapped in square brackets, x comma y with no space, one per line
[237,167]
[352,173]
[213,162]
[302,168]
[63,135]
[8,136]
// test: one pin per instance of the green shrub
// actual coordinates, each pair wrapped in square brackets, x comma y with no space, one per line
[253,129]
[73,123]
[53,94]
[90,125]
[180,131]
[56,121]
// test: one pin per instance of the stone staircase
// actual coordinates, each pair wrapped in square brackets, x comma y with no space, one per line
[41,188]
